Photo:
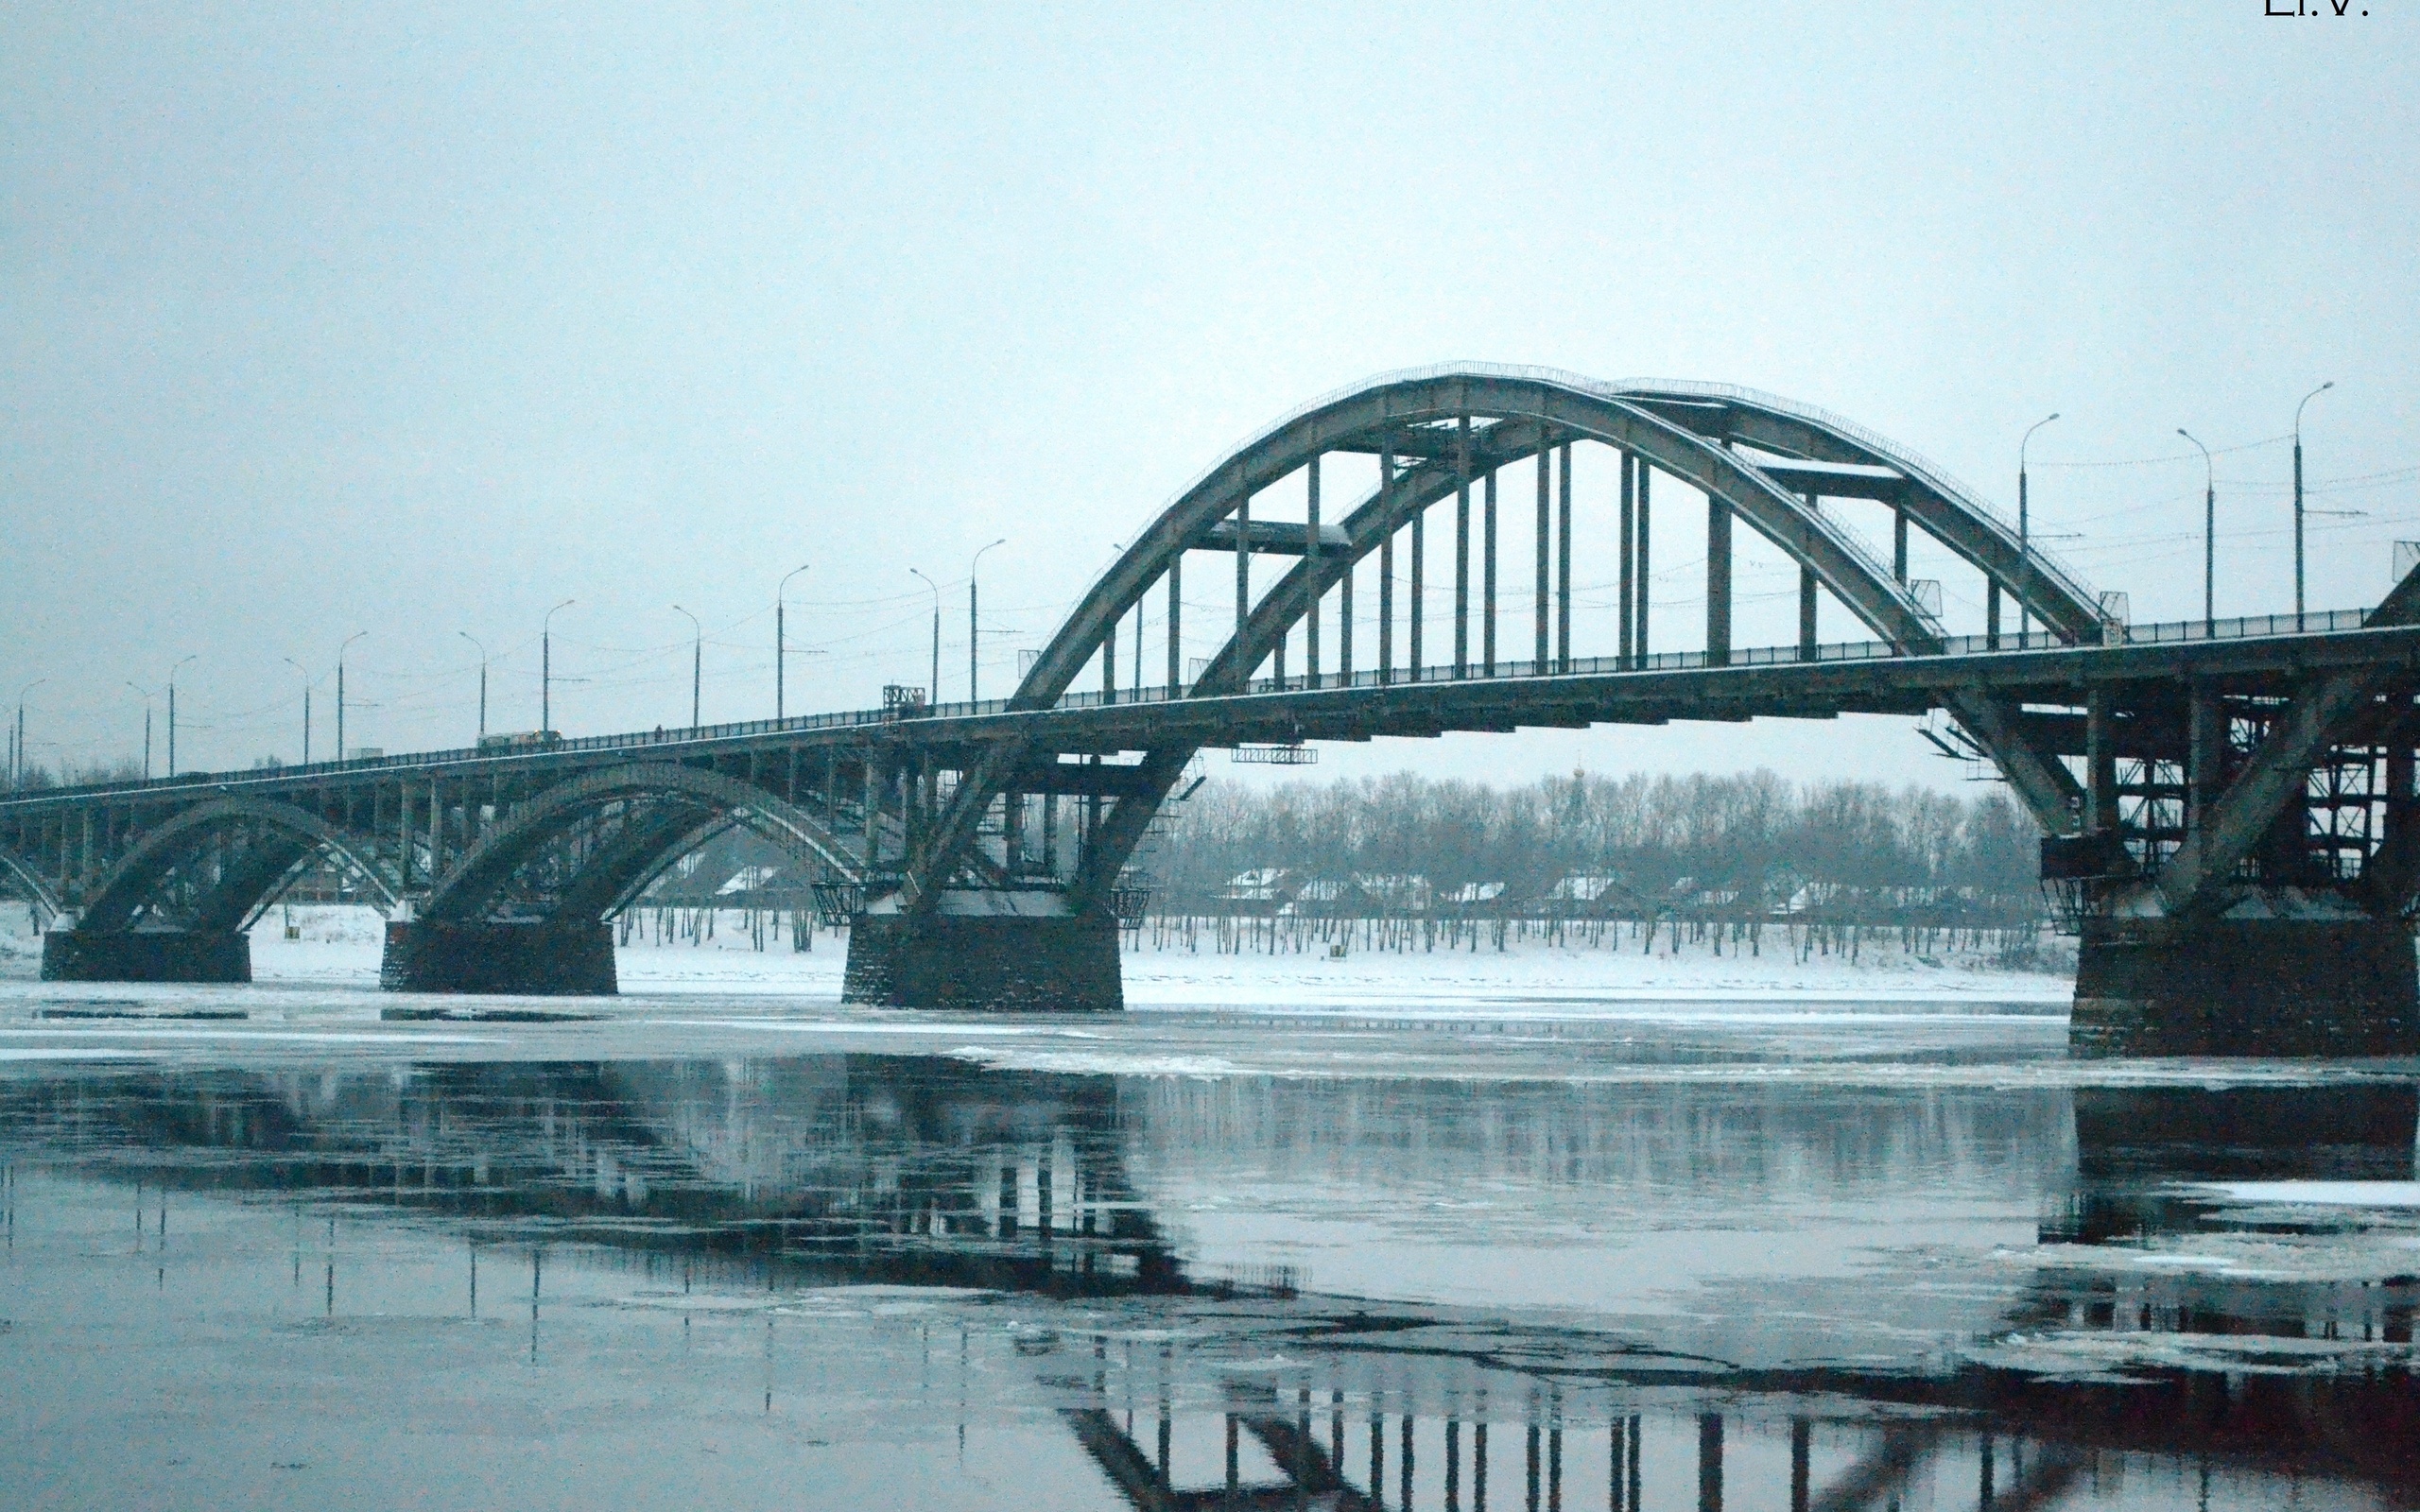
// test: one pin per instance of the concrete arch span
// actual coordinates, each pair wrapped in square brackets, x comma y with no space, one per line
[284,841]
[28,883]
[685,807]
[490,925]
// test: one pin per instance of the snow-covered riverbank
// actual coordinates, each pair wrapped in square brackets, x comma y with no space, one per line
[341,947]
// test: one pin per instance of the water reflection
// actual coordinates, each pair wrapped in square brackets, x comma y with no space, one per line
[2174,1328]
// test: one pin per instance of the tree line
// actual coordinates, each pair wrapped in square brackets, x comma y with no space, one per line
[1754,834]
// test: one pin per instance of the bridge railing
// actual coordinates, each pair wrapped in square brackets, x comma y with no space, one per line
[2242,627]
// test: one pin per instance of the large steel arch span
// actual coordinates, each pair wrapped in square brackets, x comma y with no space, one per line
[689,806]
[1450,426]
[1677,427]
[123,893]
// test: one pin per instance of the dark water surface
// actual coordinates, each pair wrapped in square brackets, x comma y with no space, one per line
[732,1254]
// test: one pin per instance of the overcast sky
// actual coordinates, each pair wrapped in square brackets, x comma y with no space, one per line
[419,320]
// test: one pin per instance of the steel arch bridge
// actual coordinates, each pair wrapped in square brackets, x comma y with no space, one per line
[2194,780]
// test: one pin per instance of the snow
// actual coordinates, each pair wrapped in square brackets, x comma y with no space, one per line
[336,946]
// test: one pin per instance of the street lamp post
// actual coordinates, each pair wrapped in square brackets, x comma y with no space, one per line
[2298,497]
[781,642]
[546,668]
[2024,522]
[972,694]
[2209,534]
[17,746]
[306,707]
[172,710]
[934,697]
[697,664]
[340,650]
[483,680]
[145,694]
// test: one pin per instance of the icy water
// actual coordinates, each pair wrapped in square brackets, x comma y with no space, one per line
[716,1250]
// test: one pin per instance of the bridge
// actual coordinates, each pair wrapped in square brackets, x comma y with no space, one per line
[2227,805]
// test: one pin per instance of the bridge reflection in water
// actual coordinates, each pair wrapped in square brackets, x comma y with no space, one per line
[2111,1378]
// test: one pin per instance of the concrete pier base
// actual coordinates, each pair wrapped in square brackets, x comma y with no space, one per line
[145,956]
[985,964]
[2271,988]
[541,959]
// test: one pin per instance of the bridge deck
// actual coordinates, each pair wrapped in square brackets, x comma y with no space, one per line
[1863,676]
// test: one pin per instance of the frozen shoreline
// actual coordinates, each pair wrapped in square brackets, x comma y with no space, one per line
[340,947]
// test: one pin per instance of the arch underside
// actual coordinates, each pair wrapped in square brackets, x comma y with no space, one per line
[585,848]
[1767,460]
[588,847]
[216,866]
[29,883]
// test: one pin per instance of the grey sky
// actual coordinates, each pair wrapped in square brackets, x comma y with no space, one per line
[325,318]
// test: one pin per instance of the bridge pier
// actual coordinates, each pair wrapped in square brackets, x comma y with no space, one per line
[542,958]
[2291,988]
[986,963]
[145,956]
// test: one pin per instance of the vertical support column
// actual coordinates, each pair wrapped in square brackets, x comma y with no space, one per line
[1138,651]
[1463,548]
[1311,578]
[1108,663]
[1244,658]
[1992,616]
[1899,544]
[1419,663]
[1717,582]
[1487,579]
[1562,564]
[2207,734]
[1012,833]
[870,811]
[435,831]
[1807,585]
[2399,775]
[2101,763]
[1344,623]
[1176,625]
[1544,537]
[1386,567]
[404,834]
[1628,612]
[1646,558]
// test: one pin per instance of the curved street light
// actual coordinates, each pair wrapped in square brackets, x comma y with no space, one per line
[781,641]
[934,697]
[973,695]
[2209,533]
[2024,522]
[483,681]
[306,706]
[340,650]
[2298,497]
[546,668]
[696,662]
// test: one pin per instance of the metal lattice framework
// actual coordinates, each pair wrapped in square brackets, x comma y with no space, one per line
[1438,433]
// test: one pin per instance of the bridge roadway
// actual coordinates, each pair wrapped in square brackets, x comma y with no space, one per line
[2227,806]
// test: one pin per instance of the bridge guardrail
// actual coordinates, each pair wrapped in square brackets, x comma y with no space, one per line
[2249,627]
